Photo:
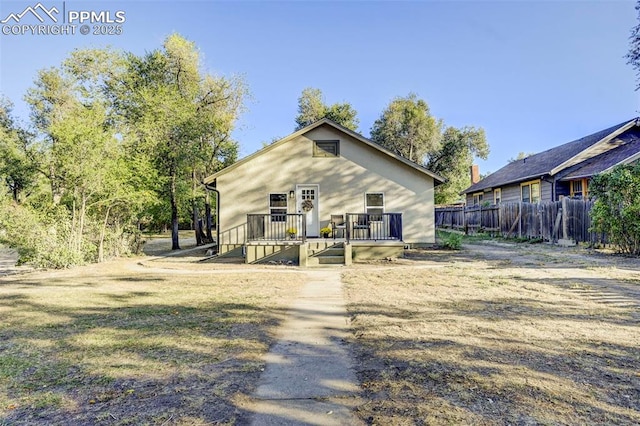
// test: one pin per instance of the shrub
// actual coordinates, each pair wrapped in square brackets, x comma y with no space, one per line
[616,211]
[453,241]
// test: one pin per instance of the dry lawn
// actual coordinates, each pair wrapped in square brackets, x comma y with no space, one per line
[498,334]
[119,344]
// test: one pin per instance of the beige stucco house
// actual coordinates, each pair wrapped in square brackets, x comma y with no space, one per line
[276,202]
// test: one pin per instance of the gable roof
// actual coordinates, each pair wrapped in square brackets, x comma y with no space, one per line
[627,152]
[325,121]
[554,160]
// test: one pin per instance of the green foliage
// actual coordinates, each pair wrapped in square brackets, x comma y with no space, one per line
[16,168]
[312,107]
[453,241]
[454,157]
[182,119]
[120,140]
[616,211]
[47,238]
[41,238]
[521,156]
[407,128]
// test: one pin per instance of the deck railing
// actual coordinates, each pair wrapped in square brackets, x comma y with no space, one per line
[292,227]
[276,227]
[377,226]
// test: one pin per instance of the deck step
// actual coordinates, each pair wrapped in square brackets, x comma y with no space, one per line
[325,253]
[331,251]
[325,260]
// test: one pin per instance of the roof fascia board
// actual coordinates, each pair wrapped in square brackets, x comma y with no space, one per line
[602,141]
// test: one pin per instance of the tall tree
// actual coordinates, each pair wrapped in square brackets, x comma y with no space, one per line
[407,128]
[16,168]
[633,56]
[81,147]
[182,116]
[312,107]
[453,159]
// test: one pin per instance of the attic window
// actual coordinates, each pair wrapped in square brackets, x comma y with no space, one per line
[326,148]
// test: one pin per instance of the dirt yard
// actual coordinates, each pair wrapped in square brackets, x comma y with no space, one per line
[498,334]
[124,344]
[495,334]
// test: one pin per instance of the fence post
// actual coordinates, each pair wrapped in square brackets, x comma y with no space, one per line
[565,219]
[541,214]
[520,220]
[464,220]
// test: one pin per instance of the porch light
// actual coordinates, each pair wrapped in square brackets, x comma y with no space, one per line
[292,194]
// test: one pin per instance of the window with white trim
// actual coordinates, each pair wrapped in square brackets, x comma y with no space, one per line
[477,198]
[278,207]
[497,195]
[374,205]
[326,148]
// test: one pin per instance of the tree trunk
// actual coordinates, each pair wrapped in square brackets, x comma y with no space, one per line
[196,224]
[102,233]
[175,245]
[72,234]
[83,213]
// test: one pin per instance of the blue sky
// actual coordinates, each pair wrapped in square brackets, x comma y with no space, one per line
[532,74]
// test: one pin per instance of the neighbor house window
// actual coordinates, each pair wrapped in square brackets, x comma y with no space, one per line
[278,207]
[374,205]
[530,191]
[326,148]
[497,196]
[579,188]
[477,198]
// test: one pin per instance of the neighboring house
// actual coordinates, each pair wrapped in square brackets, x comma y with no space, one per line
[275,202]
[563,171]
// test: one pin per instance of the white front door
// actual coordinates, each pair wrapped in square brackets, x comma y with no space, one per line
[307,204]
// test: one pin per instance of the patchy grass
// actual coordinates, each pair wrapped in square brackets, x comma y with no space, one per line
[120,344]
[498,335]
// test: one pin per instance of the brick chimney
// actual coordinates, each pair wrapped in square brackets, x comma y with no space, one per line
[475,174]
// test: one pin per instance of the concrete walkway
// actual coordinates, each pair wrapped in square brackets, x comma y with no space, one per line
[309,377]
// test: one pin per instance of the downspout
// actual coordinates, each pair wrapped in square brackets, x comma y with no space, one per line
[212,188]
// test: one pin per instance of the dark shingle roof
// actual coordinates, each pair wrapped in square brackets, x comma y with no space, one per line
[604,161]
[542,163]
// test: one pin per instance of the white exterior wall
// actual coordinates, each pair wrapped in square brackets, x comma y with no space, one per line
[343,182]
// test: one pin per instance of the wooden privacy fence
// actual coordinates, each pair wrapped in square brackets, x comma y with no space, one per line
[559,220]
